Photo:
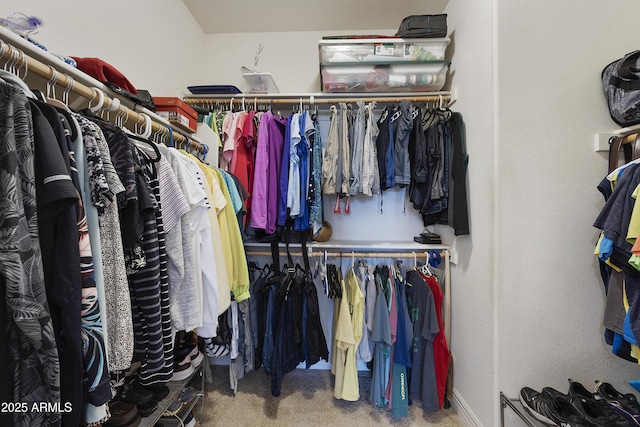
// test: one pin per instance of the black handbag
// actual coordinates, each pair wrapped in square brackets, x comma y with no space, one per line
[416,26]
[621,85]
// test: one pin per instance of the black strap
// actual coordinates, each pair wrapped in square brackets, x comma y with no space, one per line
[275,256]
[628,69]
[624,84]
[287,237]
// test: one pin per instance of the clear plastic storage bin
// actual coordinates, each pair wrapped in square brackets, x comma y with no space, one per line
[382,50]
[395,77]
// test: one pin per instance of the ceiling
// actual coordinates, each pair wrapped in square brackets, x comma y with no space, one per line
[242,16]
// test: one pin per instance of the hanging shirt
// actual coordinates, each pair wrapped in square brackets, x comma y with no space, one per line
[423,384]
[239,139]
[31,344]
[229,226]
[307,132]
[315,185]
[348,335]
[283,209]
[330,160]
[261,182]
[357,153]
[118,303]
[381,337]
[440,348]
[293,190]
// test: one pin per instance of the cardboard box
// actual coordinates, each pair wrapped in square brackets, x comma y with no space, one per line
[177,112]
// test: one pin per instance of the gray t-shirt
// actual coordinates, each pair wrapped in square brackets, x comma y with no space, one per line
[422,382]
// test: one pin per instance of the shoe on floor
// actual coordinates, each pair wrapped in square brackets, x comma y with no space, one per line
[181,373]
[551,410]
[624,404]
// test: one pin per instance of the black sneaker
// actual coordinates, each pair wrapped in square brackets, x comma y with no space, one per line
[594,405]
[133,392]
[593,412]
[182,368]
[159,390]
[624,404]
[551,410]
[146,409]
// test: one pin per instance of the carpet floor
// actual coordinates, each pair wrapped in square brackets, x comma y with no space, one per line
[306,400]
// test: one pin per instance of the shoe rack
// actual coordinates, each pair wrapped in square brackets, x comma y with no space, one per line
[518,409]
[175,387]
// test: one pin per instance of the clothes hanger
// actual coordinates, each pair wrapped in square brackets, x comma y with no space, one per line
[51,91]
[425,268]
[97,92]
[10,77]
[67,90]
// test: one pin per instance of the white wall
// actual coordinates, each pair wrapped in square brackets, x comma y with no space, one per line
[472,346]
[292,59]
[156,45]
[550,104]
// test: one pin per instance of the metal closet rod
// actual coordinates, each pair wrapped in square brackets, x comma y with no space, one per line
[420,255]
[311,100]
[31,65]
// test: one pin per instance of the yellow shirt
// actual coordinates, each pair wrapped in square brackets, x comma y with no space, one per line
[239,284]
[634,221]
[596,252]
[348,335]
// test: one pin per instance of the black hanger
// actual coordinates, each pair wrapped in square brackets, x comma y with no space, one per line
[151,144]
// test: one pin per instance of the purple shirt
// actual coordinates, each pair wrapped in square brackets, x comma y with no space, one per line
[284,175]
[276,129]
[259,194]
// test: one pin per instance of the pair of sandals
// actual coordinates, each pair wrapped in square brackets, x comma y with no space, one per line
[428,238]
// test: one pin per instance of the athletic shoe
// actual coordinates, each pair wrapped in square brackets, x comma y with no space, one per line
[182,372]
[133,392]
[182,368]
[146,409]
[196,357]
[159,390]
[594,405]
[624,404]
[551,410]
[593,412]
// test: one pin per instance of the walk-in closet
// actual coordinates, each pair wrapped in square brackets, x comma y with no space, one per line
[284,214]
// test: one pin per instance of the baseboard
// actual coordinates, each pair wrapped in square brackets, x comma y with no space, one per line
[464,411]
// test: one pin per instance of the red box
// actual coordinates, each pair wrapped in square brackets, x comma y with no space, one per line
[177,112]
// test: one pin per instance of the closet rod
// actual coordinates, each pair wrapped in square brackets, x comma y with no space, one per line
[275,99]
[420,255]
[8,52]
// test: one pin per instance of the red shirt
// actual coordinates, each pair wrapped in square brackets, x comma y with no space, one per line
[441,353]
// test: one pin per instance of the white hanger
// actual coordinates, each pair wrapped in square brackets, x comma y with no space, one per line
[115,104]
[425,268]
[51,91]
[97,92]
[67,90]
[148,128]
[415,261]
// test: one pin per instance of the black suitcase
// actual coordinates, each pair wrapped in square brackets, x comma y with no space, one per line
[417,26]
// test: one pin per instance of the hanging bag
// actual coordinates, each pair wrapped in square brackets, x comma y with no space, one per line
[621,85]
